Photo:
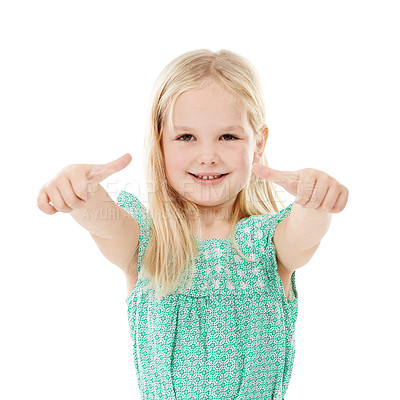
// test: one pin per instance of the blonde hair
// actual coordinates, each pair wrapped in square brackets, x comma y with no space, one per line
[172,248]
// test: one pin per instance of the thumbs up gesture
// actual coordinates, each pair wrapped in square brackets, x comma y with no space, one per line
[312,188]
[73,186]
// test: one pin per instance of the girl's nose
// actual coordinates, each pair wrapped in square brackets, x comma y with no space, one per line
[208,159]
[208,154]
[202,162]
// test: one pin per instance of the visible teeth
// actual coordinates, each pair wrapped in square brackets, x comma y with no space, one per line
[208,177]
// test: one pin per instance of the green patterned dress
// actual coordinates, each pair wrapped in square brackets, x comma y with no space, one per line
[230,335]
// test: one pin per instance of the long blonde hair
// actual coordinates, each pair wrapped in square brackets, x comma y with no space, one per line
[172,248]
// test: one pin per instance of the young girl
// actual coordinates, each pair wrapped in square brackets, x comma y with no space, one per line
[210,265]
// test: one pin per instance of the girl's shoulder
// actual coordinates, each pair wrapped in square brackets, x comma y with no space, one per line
[270,219]
[134,206]
[261,227]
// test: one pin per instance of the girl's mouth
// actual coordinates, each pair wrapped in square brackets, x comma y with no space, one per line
[208,180]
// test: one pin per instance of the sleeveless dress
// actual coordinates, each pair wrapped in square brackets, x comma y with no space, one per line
[231,335]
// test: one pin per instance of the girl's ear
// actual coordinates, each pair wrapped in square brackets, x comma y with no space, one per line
[260,145]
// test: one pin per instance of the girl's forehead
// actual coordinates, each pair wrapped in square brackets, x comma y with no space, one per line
[193,115]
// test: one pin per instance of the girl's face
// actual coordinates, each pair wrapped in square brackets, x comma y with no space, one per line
[211,136]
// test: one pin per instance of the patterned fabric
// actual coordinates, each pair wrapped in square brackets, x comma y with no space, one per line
[231,334]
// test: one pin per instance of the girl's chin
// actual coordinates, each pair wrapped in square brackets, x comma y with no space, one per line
[208,199]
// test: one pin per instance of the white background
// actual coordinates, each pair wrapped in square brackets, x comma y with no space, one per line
[75,84]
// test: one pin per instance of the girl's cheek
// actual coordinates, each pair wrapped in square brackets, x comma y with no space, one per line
[240,157]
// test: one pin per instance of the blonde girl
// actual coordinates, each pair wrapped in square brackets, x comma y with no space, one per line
[210,264]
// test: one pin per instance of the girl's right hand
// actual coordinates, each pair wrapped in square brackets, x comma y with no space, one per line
[75,184]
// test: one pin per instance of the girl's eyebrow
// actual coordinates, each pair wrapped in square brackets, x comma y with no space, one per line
[227,128]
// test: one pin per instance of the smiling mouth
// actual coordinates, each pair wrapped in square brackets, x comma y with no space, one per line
[207,178]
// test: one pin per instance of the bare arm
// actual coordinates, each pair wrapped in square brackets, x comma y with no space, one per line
[297,237]
[114,230]
[101,216]
[318,195]
[305,227]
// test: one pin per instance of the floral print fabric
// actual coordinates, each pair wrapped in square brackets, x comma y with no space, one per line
[231,334]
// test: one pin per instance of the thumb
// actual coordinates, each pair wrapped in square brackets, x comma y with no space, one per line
[99,172]
[287,179]
[270,174]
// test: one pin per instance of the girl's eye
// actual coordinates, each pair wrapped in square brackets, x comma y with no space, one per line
[228,134]
[187,134]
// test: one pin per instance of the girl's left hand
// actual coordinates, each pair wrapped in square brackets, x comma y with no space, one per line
[312,188]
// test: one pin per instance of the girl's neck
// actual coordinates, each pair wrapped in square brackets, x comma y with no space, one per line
[215,222]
